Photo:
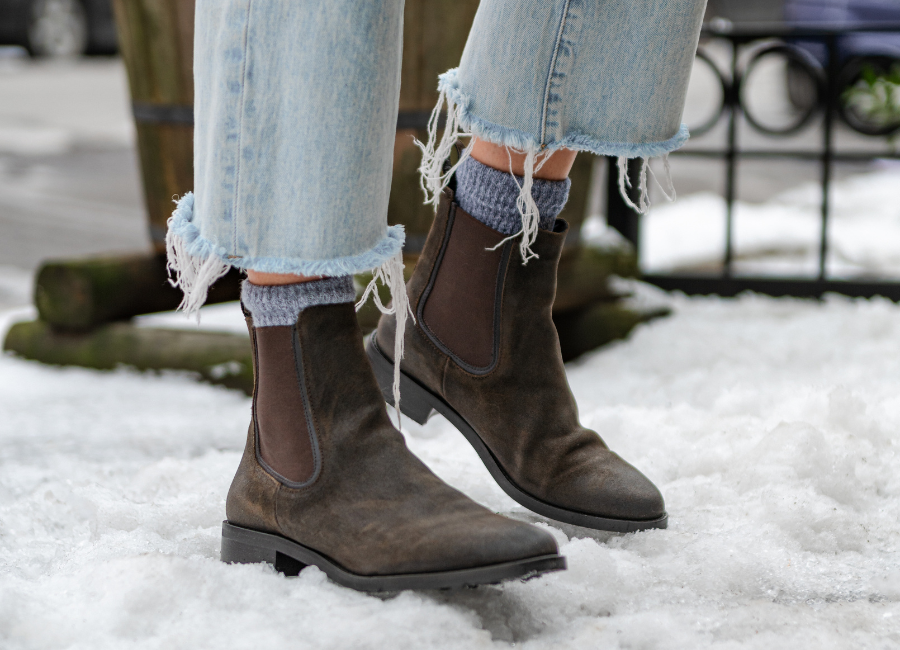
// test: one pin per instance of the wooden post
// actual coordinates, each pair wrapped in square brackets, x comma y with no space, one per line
[434,35]
[156,38]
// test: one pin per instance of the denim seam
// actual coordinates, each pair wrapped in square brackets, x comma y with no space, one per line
[240,142]
[550,72]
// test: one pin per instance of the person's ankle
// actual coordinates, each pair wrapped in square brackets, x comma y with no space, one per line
[276,279]
[553,166]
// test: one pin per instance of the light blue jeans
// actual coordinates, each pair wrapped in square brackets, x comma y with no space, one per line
[296,109]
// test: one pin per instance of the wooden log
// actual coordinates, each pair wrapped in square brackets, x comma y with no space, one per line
[80,294]
[219,358]
[156,39]
[583,276]
[223,358]
[586,329]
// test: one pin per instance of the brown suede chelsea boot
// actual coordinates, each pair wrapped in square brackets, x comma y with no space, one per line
[484,353]
[326,480]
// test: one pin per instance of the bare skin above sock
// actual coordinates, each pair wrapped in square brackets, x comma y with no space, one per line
[490,195]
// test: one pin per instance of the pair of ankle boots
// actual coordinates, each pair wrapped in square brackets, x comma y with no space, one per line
[326,479]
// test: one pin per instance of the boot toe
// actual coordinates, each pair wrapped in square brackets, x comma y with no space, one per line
[636,496]
[524,540]
[611,488]
[495,540]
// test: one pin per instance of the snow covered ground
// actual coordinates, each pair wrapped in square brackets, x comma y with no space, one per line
[770,425]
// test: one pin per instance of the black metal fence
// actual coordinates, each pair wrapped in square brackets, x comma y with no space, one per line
[824,98]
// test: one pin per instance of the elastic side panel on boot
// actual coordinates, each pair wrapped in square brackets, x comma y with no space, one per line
[286,443]
[460,309]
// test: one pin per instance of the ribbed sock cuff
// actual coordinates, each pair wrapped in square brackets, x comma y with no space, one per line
[490,195]
[281,304]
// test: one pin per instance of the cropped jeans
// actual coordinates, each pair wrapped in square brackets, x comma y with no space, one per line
[296,110]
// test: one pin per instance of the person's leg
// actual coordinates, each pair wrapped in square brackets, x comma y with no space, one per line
[605,77]
[536,78]
[296,108]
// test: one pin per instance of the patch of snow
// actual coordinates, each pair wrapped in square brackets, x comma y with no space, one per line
[781,236]
[769,424]
[16,286]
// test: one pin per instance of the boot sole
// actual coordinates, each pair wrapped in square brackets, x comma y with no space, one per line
[417,403]
[247,546]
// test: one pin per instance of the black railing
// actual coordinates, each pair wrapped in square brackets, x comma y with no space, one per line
[826,83]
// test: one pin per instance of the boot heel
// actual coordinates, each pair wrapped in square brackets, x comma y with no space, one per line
[241,552]
[235,552]
[413,401]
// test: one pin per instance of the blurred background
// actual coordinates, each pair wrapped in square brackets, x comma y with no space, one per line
[69,182]
[791,172]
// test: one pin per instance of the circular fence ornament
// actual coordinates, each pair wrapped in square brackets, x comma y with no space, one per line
[706,81]
[803,89]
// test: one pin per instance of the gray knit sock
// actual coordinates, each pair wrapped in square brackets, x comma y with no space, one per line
[490,195]
[281,304]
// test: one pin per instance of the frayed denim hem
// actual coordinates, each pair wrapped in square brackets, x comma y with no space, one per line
[181,225]
[388,247]
[435,175]
[448,84]
[195,263]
